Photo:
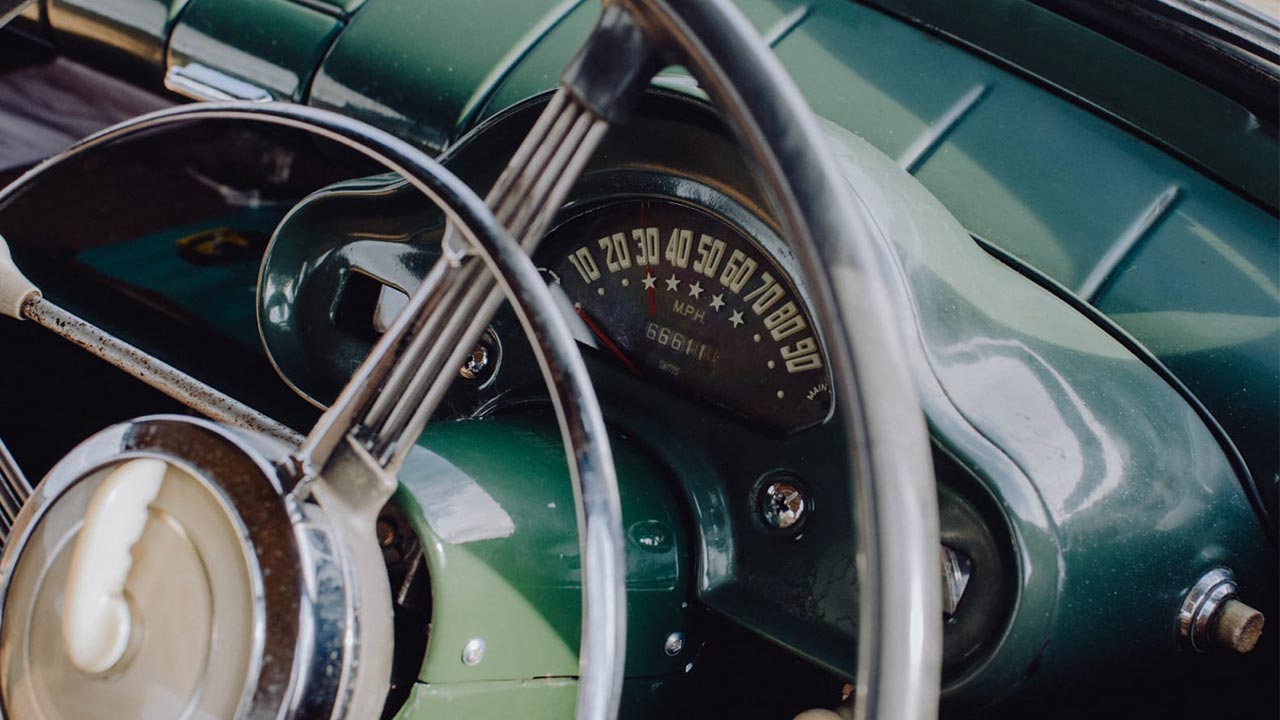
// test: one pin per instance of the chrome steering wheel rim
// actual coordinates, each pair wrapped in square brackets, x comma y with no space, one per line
[844,261]
[578,412]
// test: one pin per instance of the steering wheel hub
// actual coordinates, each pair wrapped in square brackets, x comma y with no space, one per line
[216,582]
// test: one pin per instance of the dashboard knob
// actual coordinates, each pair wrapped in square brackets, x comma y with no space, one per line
[1236,626]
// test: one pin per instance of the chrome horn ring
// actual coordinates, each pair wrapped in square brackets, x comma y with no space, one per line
[336,474]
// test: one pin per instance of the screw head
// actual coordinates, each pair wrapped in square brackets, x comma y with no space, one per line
[473,652]
[782,504]
[475,364]
[674,644]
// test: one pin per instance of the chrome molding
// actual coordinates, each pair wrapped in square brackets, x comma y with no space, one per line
[200,82]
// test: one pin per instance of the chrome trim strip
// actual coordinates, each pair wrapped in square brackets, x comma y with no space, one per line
[201,82]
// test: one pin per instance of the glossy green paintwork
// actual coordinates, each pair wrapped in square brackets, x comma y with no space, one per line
[1059,187]
[1095,460]
[499,534]
[278,51]
[1114,494]
[310,261]
[1133,90]
[1021,170]
[128,36]
[345,8]
[381,70]
[541,699]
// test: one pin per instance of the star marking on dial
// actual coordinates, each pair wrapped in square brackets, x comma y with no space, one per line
[695,290]
[736,318]
[672,283]
[717,301]
[648,282]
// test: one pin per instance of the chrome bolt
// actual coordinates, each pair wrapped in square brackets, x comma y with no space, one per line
[475,364]
[674,644]
[782,504]
[957,569]
[473,652]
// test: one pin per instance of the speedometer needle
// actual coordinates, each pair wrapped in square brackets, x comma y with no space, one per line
[604,339]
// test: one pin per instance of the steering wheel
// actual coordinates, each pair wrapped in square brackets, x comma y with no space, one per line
[327,492]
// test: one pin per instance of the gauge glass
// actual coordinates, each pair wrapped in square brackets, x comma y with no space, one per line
[678,295]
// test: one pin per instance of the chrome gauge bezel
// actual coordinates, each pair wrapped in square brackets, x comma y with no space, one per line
[601,188]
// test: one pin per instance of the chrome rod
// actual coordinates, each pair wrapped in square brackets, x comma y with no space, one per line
[549,188]
[14,491]
[529,159]
[153,371]
[12,474]
[526,196]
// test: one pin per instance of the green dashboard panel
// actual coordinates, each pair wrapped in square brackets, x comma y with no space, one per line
[215,35]
[1152,241]
[1181,262]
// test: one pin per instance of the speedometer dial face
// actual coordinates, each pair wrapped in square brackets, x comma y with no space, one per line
[679,296]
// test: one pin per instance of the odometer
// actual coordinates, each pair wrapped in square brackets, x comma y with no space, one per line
[679,295]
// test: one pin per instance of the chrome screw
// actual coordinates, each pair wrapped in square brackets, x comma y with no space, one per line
[473,652]
[782,504]
[674,644]
[475,364]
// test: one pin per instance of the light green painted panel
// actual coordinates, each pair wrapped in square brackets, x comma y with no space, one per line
[500,537]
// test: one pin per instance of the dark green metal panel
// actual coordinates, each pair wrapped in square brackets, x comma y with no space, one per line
[344,8]
[1203,293]
[424,69]
[1068,193]
[278,51]
[1117,494]
[1120,83]
[541,67]
[1059,187]
[493,505]
[127,37]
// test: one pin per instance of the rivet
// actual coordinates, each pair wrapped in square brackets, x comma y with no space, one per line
[782,504]
[473,651]
[674,644]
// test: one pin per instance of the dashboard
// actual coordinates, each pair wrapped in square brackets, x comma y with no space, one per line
[701,342]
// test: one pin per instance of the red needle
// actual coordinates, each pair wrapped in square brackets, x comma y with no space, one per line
[595,330]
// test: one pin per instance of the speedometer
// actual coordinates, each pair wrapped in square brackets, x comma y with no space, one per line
[682,297]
